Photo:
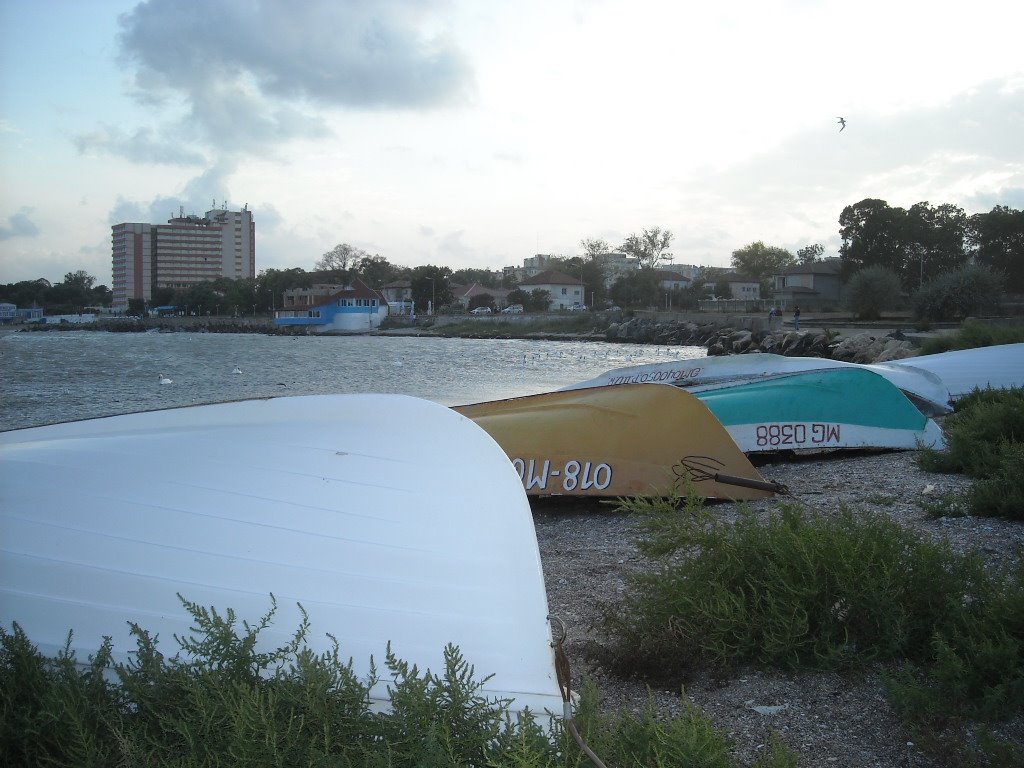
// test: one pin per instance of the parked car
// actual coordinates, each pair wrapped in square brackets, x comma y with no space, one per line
[480,311]
[578,308]
[513,309]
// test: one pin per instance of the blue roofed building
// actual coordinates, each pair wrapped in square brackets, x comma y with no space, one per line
[352,308]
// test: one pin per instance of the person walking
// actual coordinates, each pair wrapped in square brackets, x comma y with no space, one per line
[796,319]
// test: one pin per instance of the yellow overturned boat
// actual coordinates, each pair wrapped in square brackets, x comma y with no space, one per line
[630,440]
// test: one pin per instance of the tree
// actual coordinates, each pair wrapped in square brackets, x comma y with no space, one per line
[591,272]
[430,285]
[468,276]
[481,300]
[594,247]
[810,253]
[917,245]
[996,240]
[873,235]
[872,290]
[272,283]
[959,294]
[649,247]
[538,301]
[637,290]
[339,257]
[761,261]
[375,271]
[936,242]
[518,296]
[80,280]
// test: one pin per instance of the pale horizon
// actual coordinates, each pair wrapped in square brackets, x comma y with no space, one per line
[477,134]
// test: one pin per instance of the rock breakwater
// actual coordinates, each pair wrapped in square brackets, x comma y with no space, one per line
[864,347]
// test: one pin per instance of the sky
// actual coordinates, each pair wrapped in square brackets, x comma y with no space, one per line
[477,133]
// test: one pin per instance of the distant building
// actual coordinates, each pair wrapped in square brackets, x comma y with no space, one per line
[740,286]
[671,280]
[9,313]
[185,251]
[465,294]
[353,309]
[812,286]
[566,291]
[304,298]
[398,294]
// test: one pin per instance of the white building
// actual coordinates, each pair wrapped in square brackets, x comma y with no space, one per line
[565,291]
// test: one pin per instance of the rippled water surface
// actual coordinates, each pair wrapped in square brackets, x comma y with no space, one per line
[53,376]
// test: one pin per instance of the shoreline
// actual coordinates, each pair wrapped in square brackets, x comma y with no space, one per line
[719,335]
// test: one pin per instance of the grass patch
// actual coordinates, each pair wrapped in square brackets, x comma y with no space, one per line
[799,590]
[808,590]
[985,441]
[223,703]
[974,334]
[948,504]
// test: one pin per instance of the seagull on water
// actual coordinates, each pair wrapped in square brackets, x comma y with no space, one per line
[842,122]
[163,379]
[237,370]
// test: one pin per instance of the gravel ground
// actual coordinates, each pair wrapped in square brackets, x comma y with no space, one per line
[828,719]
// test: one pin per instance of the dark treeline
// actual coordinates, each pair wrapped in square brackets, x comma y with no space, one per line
[917,245]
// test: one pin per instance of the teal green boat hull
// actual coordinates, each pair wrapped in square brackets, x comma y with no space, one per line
[830,409]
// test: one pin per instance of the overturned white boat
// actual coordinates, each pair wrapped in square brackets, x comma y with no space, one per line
[421,541]
[924,388]
[964,370]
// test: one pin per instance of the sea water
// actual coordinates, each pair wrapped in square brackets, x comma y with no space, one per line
[51,376]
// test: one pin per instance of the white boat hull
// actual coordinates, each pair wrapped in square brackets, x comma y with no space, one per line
[422,541]
[963,370]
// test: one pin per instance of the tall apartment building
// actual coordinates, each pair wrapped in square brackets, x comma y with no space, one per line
[184,251]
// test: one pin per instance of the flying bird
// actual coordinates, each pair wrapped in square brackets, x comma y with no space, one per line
[842,122]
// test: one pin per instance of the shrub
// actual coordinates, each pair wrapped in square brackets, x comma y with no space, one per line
[973,334]
[872,290]
[959,294]
[985,440]
[801,589]
[226,703]
[976,669]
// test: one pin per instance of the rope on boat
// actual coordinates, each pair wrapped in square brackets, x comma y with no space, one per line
[562,674]
[699,469]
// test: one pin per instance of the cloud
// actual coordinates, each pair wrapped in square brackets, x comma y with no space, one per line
[141,146]
[965,152]
[451,249]
[201,193]
[19,225]
[251,73]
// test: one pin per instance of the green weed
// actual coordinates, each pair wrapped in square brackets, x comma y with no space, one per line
[948,504]
[973,334]
[985,441]
[221,702]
